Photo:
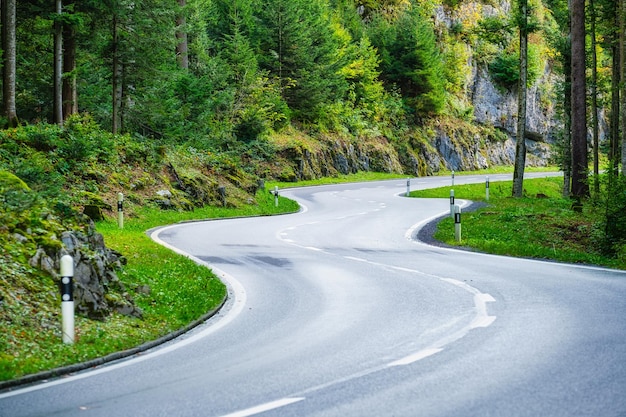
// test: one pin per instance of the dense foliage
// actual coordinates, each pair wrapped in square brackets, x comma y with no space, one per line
[252,67]
[177,102]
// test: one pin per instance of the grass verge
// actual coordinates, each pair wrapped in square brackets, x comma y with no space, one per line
[539,225]
[180,291]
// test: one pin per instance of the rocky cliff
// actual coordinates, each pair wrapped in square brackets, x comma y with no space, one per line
[483,136]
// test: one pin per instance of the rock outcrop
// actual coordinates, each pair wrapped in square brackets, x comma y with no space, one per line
[97,289]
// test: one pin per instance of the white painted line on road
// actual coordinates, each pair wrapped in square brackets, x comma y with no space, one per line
[264,407]
[411,231]
[416,357]
[482,322]
[482,319]
[236,303]
[352,258]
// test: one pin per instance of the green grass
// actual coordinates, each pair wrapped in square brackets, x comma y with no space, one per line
[340,179]
[381,176]
[180,292]
[541,224]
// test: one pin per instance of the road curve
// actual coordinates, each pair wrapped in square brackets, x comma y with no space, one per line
[337,311]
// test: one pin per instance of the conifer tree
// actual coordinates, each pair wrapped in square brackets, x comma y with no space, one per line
[298,46]
[410,58]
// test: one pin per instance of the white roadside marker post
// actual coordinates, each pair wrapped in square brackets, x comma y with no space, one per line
[67,298]
[487,189]
[453,178]
[120,210]
[222,192]
[276,196]
[457,223]
[408,187]
[451,203]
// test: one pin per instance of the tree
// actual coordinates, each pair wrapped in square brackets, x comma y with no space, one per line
[594,98]
[181,35]
[410,59]
[622,71]
[559,38]
[614,137]
[298,46]
[70,91]
[58,63]
[9,61]
[139,47]
[520,148]
[580,187]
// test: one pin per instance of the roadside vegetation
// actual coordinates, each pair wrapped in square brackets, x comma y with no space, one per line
[205,111]
[171,290]
[541,224]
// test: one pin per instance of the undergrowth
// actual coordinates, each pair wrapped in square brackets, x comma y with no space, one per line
[541,224]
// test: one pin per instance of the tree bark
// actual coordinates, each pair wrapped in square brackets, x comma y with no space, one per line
[567,128]
[58,64]
[520,148]
[580,187]
[70,94]
[116,84]
[621,13]
[614,150]
[9,59]
[594,100]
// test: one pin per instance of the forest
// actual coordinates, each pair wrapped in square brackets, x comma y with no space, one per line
[229,82]
[187,108]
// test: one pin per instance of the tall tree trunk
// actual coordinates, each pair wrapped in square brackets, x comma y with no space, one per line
[182,52]
[580,187]
[594,100]
[116,84]
[520,149]
[614,149]
[621,13]
[70,94]
[58,64]
[567,129]
[9,58]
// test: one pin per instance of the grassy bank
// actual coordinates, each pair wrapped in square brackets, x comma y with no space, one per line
[171,290]
[542,224]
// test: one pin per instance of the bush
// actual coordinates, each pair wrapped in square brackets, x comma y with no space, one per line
[504,68]
[612,227]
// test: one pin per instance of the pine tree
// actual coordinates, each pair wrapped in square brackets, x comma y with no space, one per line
[9,61]
[298,46]
[410,59]
[580,187]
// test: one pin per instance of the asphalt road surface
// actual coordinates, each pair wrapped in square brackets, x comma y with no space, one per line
[337,311]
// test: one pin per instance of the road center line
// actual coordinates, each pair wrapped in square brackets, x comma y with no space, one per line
[264,407]
[424,353]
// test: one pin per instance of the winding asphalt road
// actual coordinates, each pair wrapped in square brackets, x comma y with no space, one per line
[337,311]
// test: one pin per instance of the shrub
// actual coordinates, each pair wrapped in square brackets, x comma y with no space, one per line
[612,226]
[504,68]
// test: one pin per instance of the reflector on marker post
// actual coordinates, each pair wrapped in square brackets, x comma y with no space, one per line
[222,192]
[457,223]
[120,210]
[67,298]
[451,203]
[487,189]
